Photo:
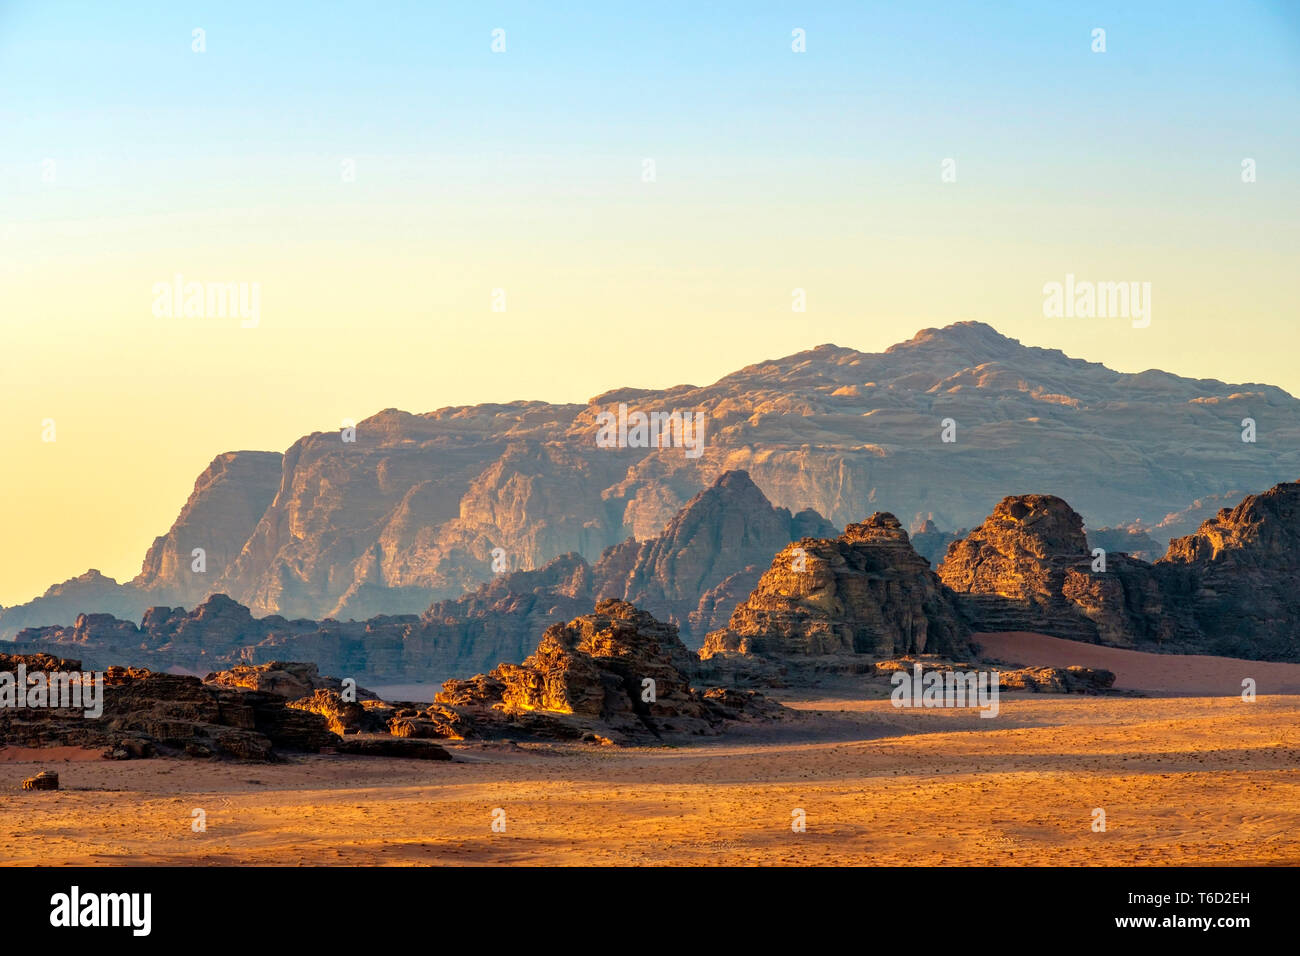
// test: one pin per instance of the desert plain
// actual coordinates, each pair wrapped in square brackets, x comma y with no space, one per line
[1185,770]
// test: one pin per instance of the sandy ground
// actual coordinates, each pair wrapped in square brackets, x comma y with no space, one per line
[1182,780]
[1150,673]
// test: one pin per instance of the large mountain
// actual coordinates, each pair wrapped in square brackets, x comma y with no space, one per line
[412,510]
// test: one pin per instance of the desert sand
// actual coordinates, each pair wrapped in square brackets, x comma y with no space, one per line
[1176,674]
[1186,779]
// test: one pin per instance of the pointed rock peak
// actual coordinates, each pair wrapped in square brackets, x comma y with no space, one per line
[734,487]
[93,575]
[735,479]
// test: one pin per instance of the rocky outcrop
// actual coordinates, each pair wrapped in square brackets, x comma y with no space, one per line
[45,780]
[304,688]
[1237,575]
[1058,680]
[1046,680]
[617,674]
[1228,589]
[1029,567]
[287,679]
[220,634]
[146,713]
[865,593]
[245,714]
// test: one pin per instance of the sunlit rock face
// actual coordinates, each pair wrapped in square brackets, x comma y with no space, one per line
[1030,567]
[616,674]
[1238,575]
[866,592]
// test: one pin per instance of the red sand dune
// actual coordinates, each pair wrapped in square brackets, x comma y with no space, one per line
[1193,675]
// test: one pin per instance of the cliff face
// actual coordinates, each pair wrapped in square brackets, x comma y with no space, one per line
[866,592]
[228,500]
[413,509]
[719,530]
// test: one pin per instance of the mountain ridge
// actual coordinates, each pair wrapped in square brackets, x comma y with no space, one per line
[413,510]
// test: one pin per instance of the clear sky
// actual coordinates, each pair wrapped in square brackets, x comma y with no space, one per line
[128,158]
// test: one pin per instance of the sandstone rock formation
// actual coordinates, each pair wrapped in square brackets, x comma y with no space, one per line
[244,714]
[723,530]
[1029,567]
[219,634]
[1237,574]
[145,713]
[1228,589]
[865,593]
[287,679]
[617,674]
[1058,680]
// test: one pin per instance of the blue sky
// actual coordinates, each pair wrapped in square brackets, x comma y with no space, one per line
[523,170]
